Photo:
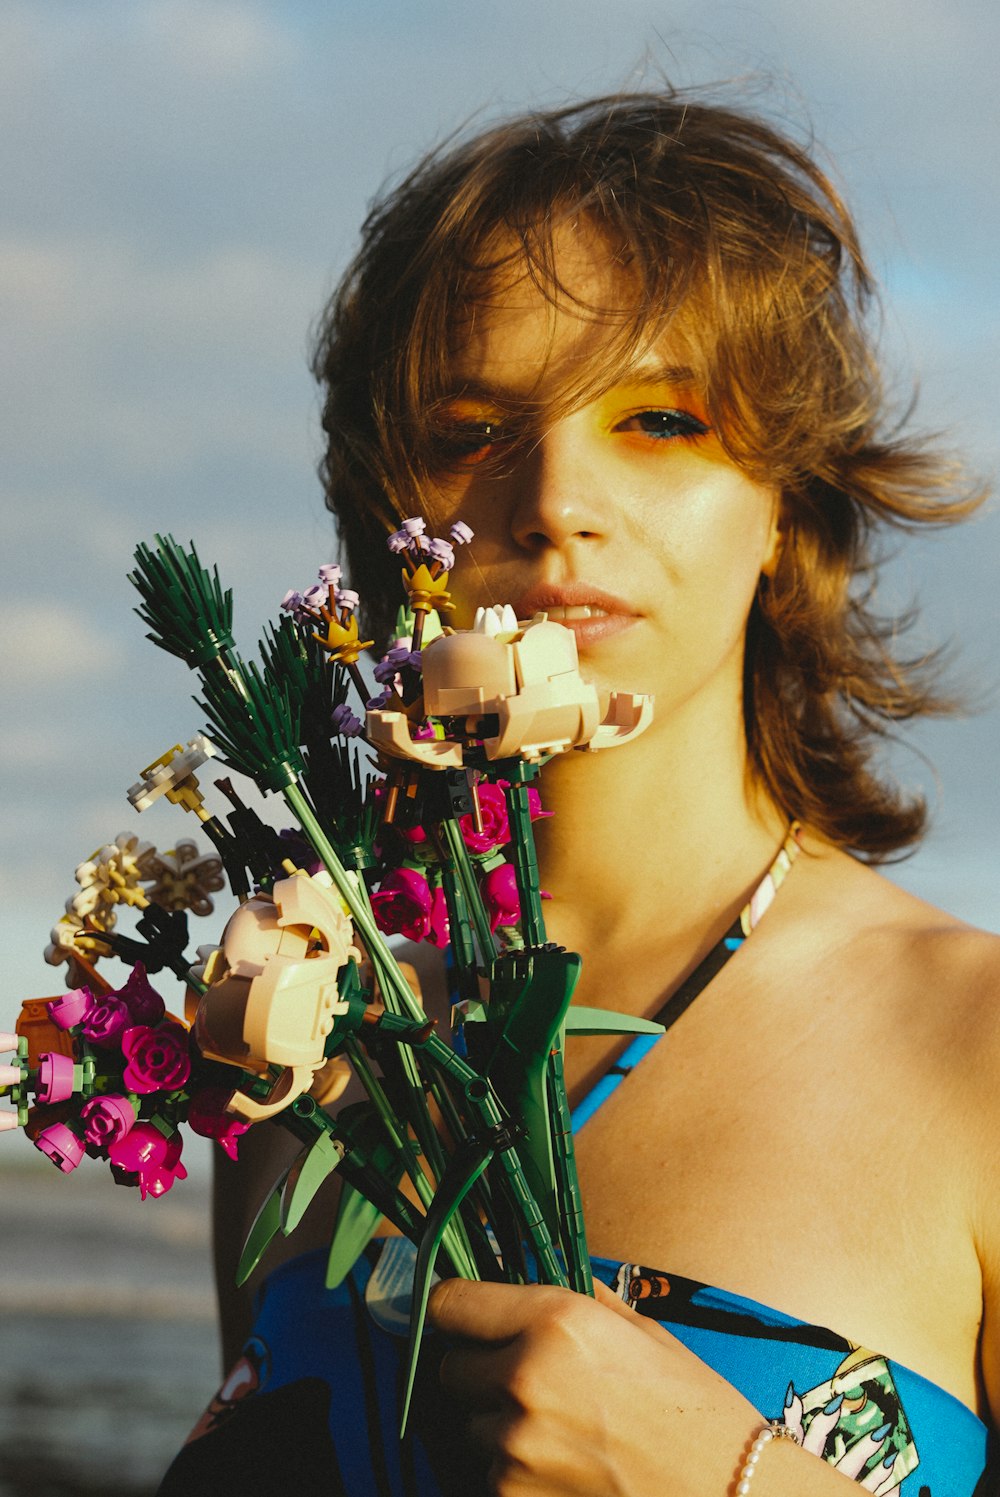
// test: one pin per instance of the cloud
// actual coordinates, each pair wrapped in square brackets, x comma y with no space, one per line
[152,360]
[214,43]
[48,645]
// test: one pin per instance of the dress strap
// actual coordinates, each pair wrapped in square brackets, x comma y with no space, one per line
[683,996]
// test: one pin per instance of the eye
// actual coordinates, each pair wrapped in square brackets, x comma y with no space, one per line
[463,443]
[661,424]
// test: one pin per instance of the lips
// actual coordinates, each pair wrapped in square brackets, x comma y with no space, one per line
[591,613]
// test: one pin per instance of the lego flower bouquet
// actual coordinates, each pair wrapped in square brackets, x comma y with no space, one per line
[413,813]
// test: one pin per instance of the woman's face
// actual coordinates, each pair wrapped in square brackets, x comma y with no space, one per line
[624,518]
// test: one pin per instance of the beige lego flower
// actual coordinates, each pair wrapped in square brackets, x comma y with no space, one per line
[113,875]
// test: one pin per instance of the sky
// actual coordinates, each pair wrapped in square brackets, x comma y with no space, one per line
[182,182]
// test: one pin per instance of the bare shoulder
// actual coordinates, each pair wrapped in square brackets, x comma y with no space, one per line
[919,952]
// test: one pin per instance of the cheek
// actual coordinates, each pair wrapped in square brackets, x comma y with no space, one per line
[715,541]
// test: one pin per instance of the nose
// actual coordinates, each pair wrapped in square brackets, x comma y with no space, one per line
[557,502]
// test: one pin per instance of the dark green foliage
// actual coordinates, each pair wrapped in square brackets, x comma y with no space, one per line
[294,659]
[254,725]
[185,607]
[334,778]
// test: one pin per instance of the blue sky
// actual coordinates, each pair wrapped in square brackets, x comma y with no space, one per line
[182,180]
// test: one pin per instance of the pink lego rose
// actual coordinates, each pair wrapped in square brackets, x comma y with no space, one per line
[61,1145]
[535,805]
[144,1004]
[106,1120]
[496,829]
[71,1009]
[105,1023]
[402,906]
[55,1078]
[439,928]
[499,891]
[148,1155]
[207,1115]
[158,1058]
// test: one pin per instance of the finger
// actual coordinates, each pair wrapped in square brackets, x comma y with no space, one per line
[857,1458]
[881,1479]
[486,1312]
[793,1413]
[823,1423]
[477,1376]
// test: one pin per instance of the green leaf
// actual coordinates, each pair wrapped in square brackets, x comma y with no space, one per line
[305,1178]
[357,1220]
[580,1020]
[266,1224]
[467,1164]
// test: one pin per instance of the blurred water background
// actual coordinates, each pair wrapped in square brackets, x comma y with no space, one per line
[108,1345]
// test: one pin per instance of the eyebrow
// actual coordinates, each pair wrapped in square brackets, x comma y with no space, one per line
[650,374]
[660,374]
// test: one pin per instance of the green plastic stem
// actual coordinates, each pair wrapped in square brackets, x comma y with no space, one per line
[572,1233]
[525,864]
[470,890]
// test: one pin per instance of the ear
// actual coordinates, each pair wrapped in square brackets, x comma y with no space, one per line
[776,538]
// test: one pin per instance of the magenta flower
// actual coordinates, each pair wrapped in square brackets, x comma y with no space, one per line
[55,1078]
[411,834]
[158,1058]
[154,1159]
[61,1145]
[71,1009]
[402,906]
[535,805]
[144,1004]
[439,928]
[106,1120]
[207,1115]
[496,829]
[534,801]
[106,1022]
[499,891]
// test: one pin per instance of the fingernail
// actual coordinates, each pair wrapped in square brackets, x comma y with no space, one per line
[834,1404]
[789,1396]
[890,1460]
[880,1434]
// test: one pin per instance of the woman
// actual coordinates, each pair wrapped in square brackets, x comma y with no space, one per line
[625,343]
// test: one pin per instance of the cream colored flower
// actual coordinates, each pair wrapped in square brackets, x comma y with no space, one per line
[172,775]
[71,937]
[110,876]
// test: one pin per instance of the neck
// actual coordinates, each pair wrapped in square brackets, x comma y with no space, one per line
[654,846]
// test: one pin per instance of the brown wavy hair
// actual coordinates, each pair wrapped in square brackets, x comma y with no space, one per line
[727,229]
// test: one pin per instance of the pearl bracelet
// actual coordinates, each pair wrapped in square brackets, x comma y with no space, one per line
[771,1431]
